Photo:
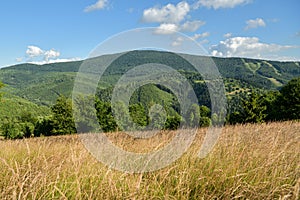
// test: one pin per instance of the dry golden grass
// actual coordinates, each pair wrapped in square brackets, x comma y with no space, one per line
[249,162]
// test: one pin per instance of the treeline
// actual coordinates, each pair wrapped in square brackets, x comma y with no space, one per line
[62,122]
[253,108]
[264,107]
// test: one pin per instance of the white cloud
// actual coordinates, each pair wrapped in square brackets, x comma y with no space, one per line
[201,35]
[177,42]
[100,4]
[167,14]
[166,29]
[34,51]
[216,4]
[255,23]
[204,41]
[170,28]
[51,54]
[227,35]
[249,47]
[191,26]
[55,61]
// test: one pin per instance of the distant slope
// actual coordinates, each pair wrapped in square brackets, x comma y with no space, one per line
[42,84]
[13,107]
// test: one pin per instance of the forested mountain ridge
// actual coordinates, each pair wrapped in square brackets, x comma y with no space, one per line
[42,84]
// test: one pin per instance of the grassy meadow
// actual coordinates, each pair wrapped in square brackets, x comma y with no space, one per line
[253,161]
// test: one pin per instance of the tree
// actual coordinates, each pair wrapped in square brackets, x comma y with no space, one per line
[1,86]
[85,114]
[63,122]
[43,126]
[193,116]
[204,120]
[12,130]
[173,122]
[105,116]
[138,114]
[253,110]
[272,103]
[290,100]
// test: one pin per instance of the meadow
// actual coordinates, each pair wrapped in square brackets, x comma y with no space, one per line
[252,161]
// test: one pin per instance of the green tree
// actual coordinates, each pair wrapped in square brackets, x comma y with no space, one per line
[193,116]
[1,86]
[122,116]
[43,126]
[173,122]
[11,129]
[138,114]
[85,114]
[204,120]
[290,100]
[105,116]
[63,122]
[253,110]
[271,101]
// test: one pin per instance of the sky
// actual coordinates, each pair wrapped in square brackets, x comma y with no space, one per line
[41,32]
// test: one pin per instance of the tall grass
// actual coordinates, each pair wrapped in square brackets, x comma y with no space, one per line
[248,162]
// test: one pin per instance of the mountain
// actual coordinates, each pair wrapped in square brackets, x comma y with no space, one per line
[42,84]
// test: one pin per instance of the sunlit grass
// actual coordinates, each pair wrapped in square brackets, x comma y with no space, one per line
[248,162]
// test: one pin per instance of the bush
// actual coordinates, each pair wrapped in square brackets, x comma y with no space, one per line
[43,126]
[204,122]
[173,122]
[12,130]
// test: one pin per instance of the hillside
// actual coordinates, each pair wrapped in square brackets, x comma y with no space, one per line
[42,84]
[13,106]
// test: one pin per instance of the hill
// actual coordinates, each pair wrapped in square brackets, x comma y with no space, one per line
[13,106]
[42,84]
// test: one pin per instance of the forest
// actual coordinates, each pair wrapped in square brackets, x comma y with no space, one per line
[36,99]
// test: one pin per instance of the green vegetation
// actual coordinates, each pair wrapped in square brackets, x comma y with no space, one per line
[290,100]
[253,89]
[252,159]
[1,86]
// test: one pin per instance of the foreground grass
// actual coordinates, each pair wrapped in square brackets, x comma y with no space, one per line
[249,161]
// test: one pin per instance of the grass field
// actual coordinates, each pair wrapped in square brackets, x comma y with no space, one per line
[248,162]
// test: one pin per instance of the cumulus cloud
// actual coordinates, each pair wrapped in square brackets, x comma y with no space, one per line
[201,35]
[34,51]
[59,60]
[100,4]
[51,54]
[249,47]
[170,28]
[255,23]
[177,42]
[216,4]
[166,14]
[191,26]
[166,29]
[227,35]
[36,55]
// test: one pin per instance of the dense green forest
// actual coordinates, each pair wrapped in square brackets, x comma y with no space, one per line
[35,99]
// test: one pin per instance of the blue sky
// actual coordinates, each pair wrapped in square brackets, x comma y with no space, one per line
[52,31]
